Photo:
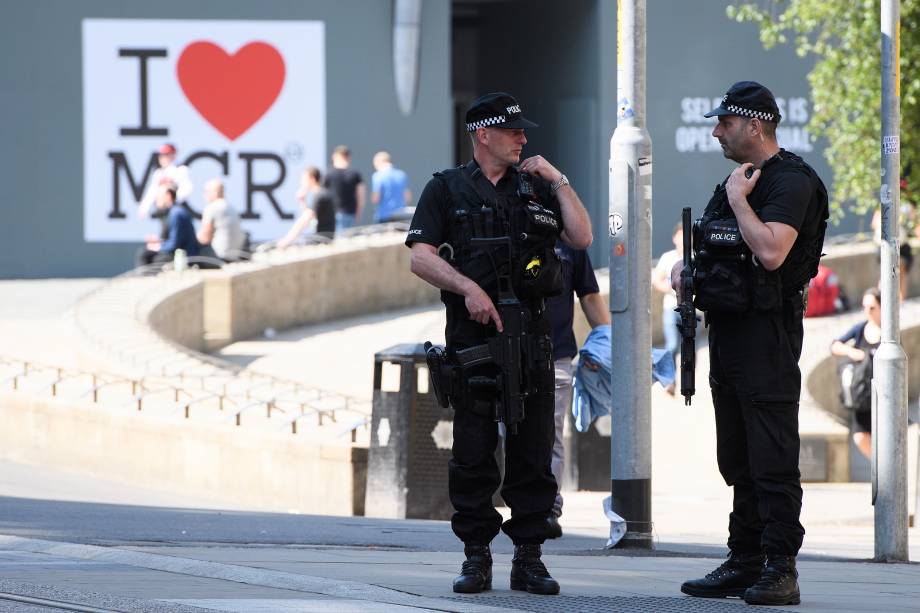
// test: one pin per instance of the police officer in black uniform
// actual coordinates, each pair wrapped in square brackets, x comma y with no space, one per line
[755,248]
[498,195]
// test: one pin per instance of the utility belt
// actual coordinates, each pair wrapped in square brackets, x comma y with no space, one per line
[459,375]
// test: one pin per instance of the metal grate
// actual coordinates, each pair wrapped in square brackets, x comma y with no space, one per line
[608,604]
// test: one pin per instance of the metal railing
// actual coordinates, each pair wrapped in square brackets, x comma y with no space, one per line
[287,405]
[112,319]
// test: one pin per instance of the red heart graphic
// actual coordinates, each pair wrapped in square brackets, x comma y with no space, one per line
[231,92]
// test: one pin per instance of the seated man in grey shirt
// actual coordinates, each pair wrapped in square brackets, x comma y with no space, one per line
[220,224]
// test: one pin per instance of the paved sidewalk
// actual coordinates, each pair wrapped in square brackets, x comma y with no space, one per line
[67,538]
[95,555]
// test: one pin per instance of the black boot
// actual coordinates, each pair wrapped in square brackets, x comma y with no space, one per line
[777,585]
[476,574]
[528,572]
[736,574]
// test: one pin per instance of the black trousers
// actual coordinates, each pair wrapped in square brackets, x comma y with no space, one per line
[144,257]
[529,487]
[755,381]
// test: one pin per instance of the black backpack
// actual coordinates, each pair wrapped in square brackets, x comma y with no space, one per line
[856,384]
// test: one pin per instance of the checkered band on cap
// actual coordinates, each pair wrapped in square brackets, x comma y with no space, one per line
[738,110]
[485,123]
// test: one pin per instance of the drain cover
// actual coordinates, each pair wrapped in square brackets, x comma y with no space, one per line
[608,604]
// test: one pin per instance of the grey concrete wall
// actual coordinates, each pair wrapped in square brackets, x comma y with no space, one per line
[41,98]
[180,318]
[305,286]
[259,471]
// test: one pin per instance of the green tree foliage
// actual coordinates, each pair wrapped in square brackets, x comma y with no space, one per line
[844,36]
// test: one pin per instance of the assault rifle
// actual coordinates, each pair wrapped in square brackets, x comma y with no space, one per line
[688,318]
[511,350]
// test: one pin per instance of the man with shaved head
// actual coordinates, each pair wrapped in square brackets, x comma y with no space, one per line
[220,224]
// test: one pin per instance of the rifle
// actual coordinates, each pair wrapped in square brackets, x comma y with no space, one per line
[688,318]
[511,350]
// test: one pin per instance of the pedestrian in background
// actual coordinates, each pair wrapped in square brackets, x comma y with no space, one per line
[347,186]
[857,345]
[661,280]
[180,232]
[166,174]
[390,191]
[220,224]
[317,203]
[578,280]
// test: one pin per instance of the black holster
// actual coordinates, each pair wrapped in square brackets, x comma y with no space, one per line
[440,373]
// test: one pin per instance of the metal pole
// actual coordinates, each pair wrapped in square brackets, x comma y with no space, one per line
[630,227]
[407,34]
[889,440]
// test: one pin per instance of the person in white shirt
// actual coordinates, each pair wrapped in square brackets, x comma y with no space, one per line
[220,224]
[167,174]
[661,280]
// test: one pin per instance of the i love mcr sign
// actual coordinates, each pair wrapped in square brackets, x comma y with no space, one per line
[243,101]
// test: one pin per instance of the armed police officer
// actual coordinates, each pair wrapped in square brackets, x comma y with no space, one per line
[755,248]
[484,234]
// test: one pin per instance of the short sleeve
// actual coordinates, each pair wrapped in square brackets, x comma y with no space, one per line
[787,200]
[207,215]
[853,333]
[429,224]
[375,182]
[584,281]
[322,201]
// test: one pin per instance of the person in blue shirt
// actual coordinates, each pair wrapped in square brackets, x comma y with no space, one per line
[389,188]
[180,232]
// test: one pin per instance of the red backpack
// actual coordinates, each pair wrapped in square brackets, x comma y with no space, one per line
[823,290]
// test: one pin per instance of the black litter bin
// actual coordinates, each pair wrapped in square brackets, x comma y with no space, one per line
[411,438]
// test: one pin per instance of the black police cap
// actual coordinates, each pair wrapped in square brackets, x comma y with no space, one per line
[748,99]
[496,110]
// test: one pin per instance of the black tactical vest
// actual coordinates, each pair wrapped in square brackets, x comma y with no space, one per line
[727,276]
[477,210]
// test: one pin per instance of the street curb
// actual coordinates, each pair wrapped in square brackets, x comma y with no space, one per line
[351,590]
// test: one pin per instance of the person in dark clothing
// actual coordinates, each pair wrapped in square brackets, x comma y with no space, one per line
[318,203]
[180,232]
[757,245]
[496,196]
[347,186]
[578,280]
[857,344]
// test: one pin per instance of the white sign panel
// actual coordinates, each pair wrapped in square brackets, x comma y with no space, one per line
[244,101]
[694,135]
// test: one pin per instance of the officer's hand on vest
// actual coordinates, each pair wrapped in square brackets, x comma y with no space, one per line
[738,185]
[537,165]
[481,307]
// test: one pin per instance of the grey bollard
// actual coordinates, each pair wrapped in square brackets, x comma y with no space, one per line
[411,438]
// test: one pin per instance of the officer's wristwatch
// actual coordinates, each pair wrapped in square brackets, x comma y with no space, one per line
[563,180]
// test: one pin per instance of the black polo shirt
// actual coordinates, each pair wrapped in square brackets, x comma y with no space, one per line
[785,193]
